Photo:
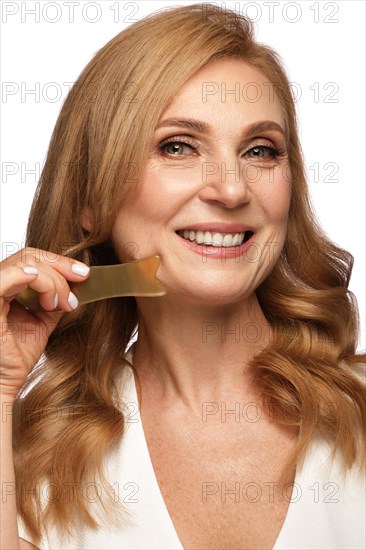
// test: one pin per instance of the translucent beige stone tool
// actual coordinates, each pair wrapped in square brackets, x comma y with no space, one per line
[108,281]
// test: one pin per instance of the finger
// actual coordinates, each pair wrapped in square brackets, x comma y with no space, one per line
[43,282]
[48,319]
[71,269]
[47,282]
[60,268]
[53,290]
[63,269]
[14,279]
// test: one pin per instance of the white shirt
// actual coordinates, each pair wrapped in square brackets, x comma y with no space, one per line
[327,510]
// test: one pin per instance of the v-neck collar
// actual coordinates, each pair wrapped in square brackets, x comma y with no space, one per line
[158,497]
[325,501]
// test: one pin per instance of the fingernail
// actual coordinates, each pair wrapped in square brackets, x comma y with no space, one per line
[73,301]
[55,303]
[80,269]
[29,270]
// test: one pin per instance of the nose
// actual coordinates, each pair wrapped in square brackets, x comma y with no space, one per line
[224,183]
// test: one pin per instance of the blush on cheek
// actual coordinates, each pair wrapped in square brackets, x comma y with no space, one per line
[275,193]
[276,206]
[164,195]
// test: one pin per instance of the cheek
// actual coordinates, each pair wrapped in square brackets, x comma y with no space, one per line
[274,194]
[163,192]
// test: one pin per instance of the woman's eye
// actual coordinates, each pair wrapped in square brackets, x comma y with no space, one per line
[176,148]
[263,151]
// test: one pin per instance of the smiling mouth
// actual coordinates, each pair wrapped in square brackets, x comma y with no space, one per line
[214,238]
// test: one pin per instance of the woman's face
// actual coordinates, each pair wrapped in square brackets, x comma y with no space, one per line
[214,198]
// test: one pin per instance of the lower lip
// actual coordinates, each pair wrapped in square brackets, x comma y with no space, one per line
[217,252]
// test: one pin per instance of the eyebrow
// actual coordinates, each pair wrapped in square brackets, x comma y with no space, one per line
[205,128]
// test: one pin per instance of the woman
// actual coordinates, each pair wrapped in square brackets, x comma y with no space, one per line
[244,377]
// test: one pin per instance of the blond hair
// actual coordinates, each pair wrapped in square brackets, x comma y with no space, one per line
[96,156]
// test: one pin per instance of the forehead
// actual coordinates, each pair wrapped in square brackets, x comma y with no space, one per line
[230,89]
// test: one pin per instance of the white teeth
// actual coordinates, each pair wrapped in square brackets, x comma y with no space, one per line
[228,240]
[217,239]
[213,239]
[207,238]
[200,237]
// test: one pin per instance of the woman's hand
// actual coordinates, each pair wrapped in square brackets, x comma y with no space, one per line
[24,335]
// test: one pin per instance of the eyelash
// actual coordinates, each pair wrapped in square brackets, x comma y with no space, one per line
[275,152]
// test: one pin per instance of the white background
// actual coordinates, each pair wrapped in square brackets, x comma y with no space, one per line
[45,45]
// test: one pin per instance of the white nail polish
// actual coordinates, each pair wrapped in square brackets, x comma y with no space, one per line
[55,303]
[80,269]
[30,270]
[73,301]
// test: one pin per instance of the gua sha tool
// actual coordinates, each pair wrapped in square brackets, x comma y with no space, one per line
[108,281]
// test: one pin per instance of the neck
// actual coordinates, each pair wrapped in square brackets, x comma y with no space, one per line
[193,352]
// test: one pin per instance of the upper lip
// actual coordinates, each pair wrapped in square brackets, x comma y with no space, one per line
[218,227]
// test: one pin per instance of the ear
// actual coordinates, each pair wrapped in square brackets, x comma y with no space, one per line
[87,219]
